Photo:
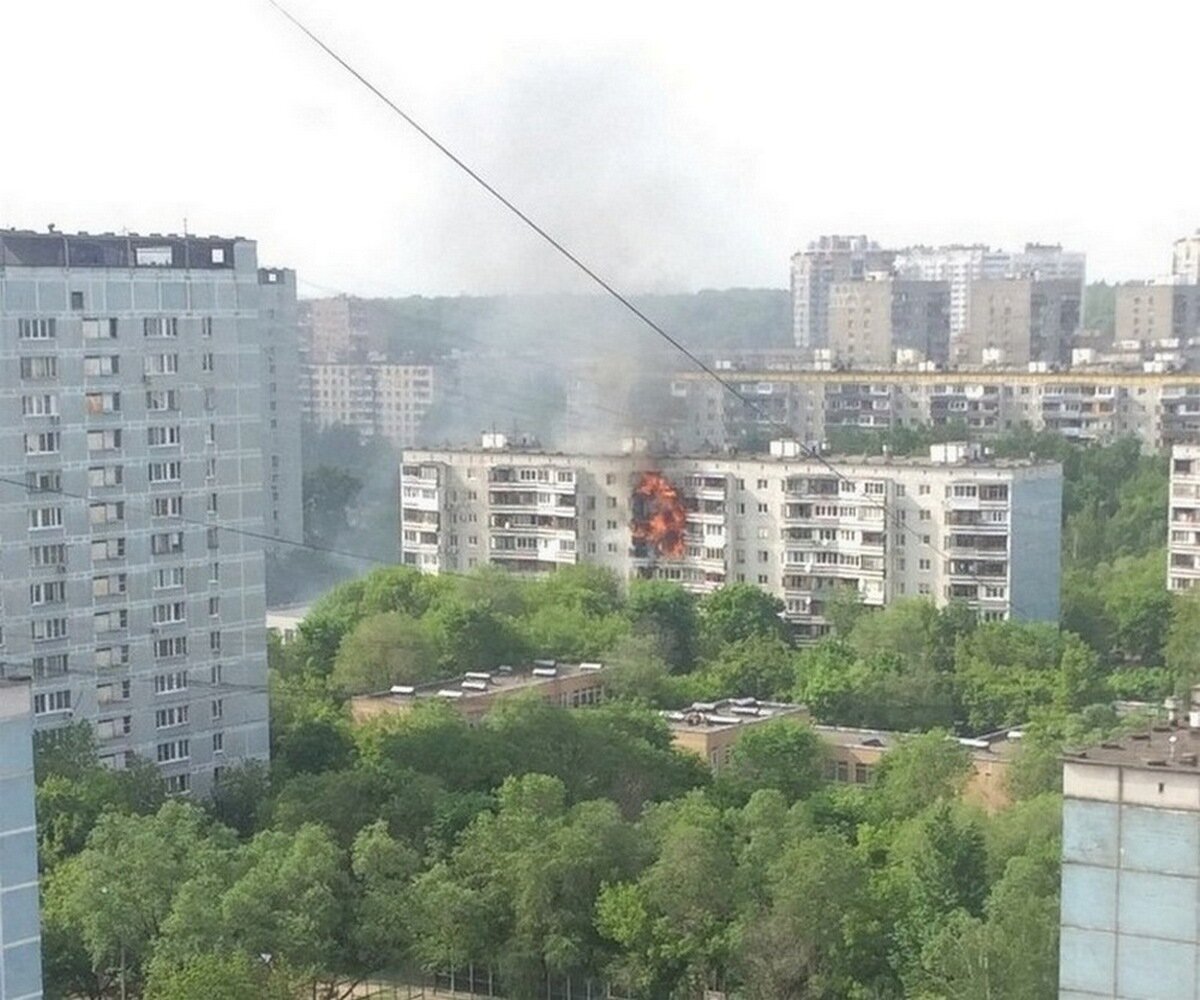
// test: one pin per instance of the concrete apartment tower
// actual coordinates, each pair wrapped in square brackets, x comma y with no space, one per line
[1185,259]
[826,261]
[1130,921]
[20,934]
[283,512]
[1183,519]
[952,526]
[131,414]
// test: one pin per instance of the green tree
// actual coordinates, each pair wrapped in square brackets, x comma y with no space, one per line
[782,755]
[757,667]
[666,613]
[218,976]
[385,649]
[739,611]
[814,936]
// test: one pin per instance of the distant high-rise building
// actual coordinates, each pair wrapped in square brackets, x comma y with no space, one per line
[961,265]
[378,399]
[20,933]
[871,320]
[827,260]
[335,329]
[283,505]
[1185,259]
[1151,312]
[131,396]
[949,527]
[1014,321]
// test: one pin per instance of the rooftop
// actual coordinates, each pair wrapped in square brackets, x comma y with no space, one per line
[822,460]
[1001,744]
[728,713]
[1158,747]
[26,248]
[484,683]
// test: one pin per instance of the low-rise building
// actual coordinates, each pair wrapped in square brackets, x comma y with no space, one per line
[1130,918]
[20,934]
[475,693]
[853,755]
[711,729]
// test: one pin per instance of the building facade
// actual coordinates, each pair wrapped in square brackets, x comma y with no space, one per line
[283,503]
[1185,259]
[20,929]
[963,265]
[1157,313]
[950,527]
[828,260]
[1159,408]
[131,439]
[378,399]
[1013,321]
[1130,919]
[1183,528]
[871,321]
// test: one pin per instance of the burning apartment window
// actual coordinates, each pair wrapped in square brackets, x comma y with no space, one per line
[659,519]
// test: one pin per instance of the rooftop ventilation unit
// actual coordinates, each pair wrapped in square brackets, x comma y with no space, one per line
[404,689]
[724,720]
[545,671]
[475,685]
[591,666]
[545,663]
[449,693]
[504,668]
[745,710]
[477,675]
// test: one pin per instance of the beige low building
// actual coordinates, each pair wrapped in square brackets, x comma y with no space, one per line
[474,694]
[855,754]
[709,729]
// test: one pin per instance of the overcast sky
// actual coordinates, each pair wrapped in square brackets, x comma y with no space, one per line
[676,146]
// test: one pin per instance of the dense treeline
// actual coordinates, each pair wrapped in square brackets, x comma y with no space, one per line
[547,843]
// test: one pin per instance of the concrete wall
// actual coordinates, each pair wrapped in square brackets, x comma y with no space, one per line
[20,935]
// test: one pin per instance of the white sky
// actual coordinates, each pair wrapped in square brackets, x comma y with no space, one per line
[675,145]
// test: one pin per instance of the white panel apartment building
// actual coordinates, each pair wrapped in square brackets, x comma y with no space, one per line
[131,406]
[950,527]
[1158,408]
[1183,543]
[377,398]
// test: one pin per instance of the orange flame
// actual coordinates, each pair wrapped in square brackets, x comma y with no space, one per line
[659,518]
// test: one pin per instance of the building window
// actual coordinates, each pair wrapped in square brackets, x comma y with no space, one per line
[51,701]
[218,742]
[178,784]
[41,368]
[77,301]
[172,751]
[35,329]
[45,517]
[160,326]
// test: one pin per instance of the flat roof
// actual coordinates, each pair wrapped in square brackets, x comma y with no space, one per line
[26,248]
[481,683]
[652,457]
[727,713]
[1158,747]
[1001,744]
